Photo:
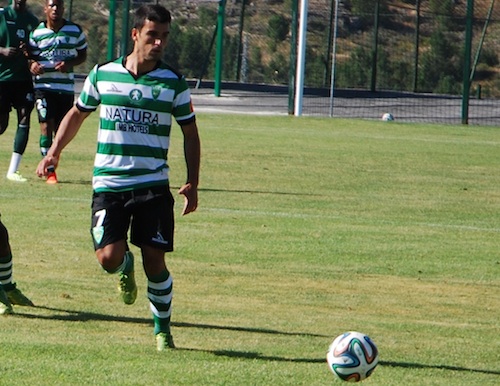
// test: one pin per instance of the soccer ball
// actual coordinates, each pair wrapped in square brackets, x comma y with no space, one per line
[387,117]
[352,356]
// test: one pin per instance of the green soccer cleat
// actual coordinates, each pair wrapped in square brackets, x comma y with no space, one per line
[5,306]
[163,341]
[16,177]
[126,285]
[18,298]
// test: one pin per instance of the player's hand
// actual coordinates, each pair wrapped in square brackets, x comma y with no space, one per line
[190,194]
[61,67]
[36,68]
[9,52]
[44,164]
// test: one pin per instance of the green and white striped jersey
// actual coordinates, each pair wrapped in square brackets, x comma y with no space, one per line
[49,48]
[135,123]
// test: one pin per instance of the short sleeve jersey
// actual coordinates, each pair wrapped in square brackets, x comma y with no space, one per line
[135,122]
[49,48]
[15,28]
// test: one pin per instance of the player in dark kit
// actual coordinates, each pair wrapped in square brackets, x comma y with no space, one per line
[9,294]
[16,85]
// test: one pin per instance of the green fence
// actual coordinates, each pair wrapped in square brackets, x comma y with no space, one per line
[406,57]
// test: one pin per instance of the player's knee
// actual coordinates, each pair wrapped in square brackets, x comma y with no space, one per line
[4,240]
[108,260]
[4,123]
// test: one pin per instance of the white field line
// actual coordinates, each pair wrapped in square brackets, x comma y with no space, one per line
[326,216]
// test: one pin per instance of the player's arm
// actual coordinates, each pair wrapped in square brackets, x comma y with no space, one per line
[68,128]
[192,155]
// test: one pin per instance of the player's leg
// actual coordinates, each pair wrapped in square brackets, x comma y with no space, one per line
[47,129]
[116,258]
[22,100]
[152,229]
[110,221]
[44,106]
[4,122]
[7,284]
[160,286]
[5,306]
[41,108]
[5,106]
[58,105]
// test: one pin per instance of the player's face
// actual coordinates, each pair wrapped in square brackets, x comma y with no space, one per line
[54,10]
[150,41]
[19,5]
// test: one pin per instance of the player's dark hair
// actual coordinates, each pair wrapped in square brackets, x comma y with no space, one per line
[152,12]
[61,2]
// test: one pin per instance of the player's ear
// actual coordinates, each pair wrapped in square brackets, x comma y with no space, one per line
[133,33]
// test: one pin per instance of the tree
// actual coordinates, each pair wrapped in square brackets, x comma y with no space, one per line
[278,28]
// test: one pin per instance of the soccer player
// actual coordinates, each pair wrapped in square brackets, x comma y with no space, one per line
[9,293]
[16,85]
[56,45]
[139,96]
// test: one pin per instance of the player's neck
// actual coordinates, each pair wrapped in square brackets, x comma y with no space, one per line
[137,65]
[54,25]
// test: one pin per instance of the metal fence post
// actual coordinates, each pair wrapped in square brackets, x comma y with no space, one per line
[293,57]
[111,29]
[467,62]
[417,45]
[373,85]
[125,29]
[219,57]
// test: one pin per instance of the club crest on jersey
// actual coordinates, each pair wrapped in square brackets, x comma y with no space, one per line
[135,95]
[156,91]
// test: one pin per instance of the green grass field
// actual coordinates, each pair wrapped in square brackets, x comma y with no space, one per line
[306,228]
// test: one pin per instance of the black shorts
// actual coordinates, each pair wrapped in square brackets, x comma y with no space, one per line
[148,212]
[53,105]
[16,94]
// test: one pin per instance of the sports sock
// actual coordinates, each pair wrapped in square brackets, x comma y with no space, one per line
[45,144]
[21,138]
[6,272]
[15,160]
[160,301]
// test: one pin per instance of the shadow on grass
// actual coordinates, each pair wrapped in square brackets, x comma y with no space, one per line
[254,355]
[83,316]
[212,190]
[79,316]
[245,329]
[439,367]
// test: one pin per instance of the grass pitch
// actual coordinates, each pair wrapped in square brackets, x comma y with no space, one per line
[307,227]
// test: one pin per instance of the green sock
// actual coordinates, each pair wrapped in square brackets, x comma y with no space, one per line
[45,144]
[21,138]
